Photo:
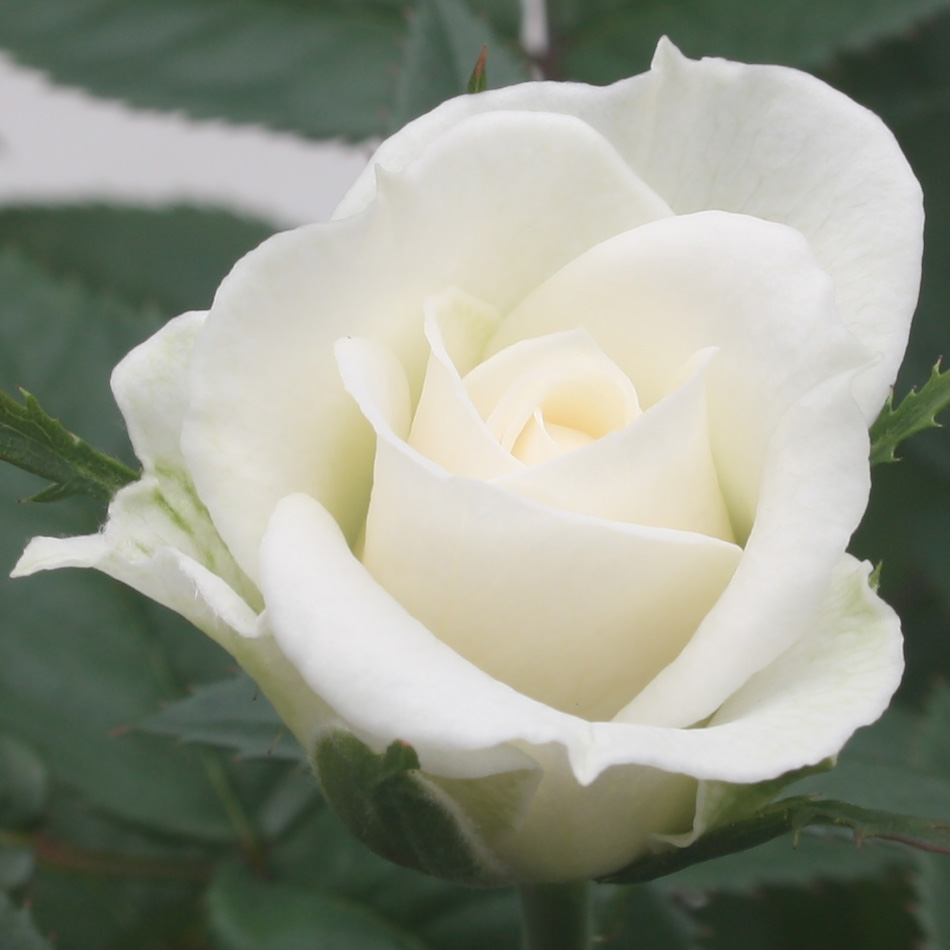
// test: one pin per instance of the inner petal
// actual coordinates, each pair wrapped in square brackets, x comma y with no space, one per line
[546,396]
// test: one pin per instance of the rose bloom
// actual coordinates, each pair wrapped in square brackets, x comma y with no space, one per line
[542,457]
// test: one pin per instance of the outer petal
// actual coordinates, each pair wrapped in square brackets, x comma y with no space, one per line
[267,415]
[159,538]
[388,677]
[767,141]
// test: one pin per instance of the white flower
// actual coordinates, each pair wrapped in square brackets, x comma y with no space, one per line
[543,456]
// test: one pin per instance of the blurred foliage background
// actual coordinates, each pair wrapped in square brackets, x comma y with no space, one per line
[148,799]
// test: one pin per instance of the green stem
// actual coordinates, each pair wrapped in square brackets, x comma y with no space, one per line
[556,916]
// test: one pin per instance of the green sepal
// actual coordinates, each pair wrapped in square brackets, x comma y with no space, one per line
[479,79]
[388,803]
[790,815]
[34,441]
[917,411]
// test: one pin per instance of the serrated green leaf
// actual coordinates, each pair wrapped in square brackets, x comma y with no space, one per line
[324,68]
[232,714]
[607,39]
[916,412]
[172,259]
[41,445]
[445,39]
[248,914]
[17,931]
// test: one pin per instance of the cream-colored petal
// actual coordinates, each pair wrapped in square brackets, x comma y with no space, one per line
[563,381]
[656,471]
[446,427]
[493,208]
[573,611]
[766,141]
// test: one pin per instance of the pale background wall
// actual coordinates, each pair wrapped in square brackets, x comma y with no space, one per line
[59,144]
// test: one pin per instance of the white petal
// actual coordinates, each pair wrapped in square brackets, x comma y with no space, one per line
[158,541]
[763,140]
[149,387]
[571,610]
[267,416]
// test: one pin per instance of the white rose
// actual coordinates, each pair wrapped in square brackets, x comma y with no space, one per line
[544,455]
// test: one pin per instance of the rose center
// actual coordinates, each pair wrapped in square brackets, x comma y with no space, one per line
[543,397]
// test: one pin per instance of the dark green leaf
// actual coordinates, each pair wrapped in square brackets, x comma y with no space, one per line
[24,784]
[99,883]
[32,440]
[813,856]
[933,889]
[17,931]
[247,914]
[232,714]
[172,258]
[476,919]
[916,412]
[933,884]
[791,815]
[645,917]
[445,40]
[880,770]
[385,802]
[608,39]
[869,915]
[323,68]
